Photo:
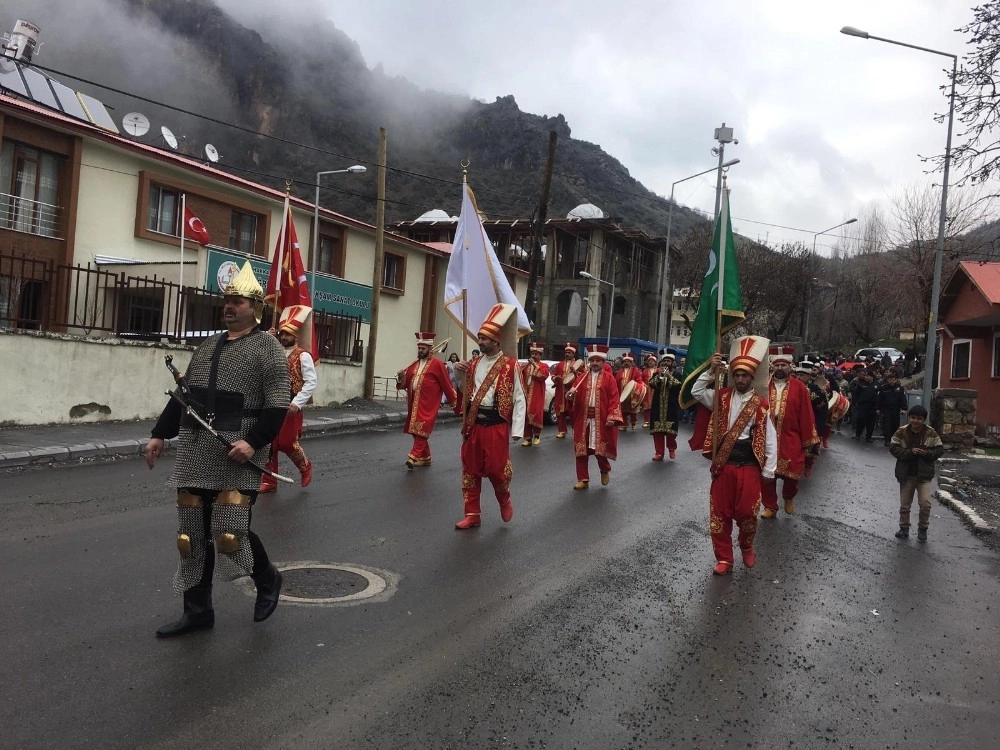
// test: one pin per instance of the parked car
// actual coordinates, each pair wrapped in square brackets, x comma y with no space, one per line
[550,391]
[878,352]
[864,357]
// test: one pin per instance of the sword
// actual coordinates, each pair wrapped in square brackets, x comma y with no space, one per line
[191,412]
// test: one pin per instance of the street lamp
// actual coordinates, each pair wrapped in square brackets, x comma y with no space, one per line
[939,252]
[805,332]
[356,169]
[611,307]
[661,321]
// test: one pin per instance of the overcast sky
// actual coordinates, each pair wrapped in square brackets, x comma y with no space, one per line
[826,123]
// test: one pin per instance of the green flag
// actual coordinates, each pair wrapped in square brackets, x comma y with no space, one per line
[721,306]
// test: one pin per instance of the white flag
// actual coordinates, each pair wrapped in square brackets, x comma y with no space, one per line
[475,268]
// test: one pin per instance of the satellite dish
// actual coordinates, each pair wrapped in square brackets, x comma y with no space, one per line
[212,153]
[169,137]
[135,124]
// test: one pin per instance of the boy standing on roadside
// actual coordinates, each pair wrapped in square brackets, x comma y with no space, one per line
[915,447]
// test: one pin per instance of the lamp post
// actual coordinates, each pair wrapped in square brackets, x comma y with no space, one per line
[661,321]
[805,332]
[611,307]
[356,169]
[942,219]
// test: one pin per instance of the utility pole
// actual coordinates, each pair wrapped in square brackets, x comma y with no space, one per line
[530,306]
[377,271]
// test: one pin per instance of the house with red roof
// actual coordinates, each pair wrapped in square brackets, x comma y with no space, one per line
[970,342]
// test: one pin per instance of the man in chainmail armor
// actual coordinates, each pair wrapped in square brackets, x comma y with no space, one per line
[238,382]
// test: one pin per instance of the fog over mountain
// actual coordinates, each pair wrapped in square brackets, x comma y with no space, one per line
[290,73]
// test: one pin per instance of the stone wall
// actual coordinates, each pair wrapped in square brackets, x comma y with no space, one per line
[953,415]
[52,378]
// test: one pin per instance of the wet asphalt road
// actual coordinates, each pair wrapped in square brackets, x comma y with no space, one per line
[590,621]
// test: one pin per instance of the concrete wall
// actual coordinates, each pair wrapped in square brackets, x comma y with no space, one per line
[52,378]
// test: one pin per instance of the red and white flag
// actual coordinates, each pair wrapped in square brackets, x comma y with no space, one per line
[194,228]
[287,283]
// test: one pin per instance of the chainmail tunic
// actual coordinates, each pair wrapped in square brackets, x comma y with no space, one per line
[254,367]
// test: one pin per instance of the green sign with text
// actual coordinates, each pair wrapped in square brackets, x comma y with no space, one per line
[332,295]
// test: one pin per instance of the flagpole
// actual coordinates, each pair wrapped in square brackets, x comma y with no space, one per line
[281,253]
[723,234]
[465,269]
[180,281]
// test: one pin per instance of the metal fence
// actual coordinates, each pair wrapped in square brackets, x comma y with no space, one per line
[85,301]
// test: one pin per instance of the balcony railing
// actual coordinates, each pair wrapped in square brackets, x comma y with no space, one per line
[87,301]
[32,217]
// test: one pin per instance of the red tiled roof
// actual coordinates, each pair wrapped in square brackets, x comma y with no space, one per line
[986,277]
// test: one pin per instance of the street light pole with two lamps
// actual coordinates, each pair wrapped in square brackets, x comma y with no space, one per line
[929,358]
[356,169]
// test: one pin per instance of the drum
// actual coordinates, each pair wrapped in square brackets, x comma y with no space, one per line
[638,397]
[572,372]
[626,393]
[838,406]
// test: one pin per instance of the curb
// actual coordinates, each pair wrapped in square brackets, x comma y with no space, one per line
[133,448]
[968,514]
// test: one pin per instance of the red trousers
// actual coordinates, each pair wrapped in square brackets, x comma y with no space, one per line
[421,448]
[661,438]
[287,442]
[583,466]
[734,497]
[561,422]
[530,430]
[486,453]
[769,491]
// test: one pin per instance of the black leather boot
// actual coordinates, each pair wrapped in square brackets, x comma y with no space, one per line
[198,614]
[268,590]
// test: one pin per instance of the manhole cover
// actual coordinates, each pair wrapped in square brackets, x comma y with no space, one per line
[322,583]
[319,584]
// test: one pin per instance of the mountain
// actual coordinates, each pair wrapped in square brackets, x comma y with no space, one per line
[303,85]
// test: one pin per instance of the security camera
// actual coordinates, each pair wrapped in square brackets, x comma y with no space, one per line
[715,151]
[736,142]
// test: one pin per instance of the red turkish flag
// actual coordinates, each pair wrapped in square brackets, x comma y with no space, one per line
[287,283]
[194,228]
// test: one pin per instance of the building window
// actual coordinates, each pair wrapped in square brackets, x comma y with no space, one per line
[569,305]
[162,212]
[394,272]
[243,232]
[142,311]
[619,305]
[331,252]
[996,356]
[29,190]
[961,359]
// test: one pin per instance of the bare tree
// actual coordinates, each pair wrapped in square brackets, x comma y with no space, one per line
[867,281]
[977,96]
[914,214]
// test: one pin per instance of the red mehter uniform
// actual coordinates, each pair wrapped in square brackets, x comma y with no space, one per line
[745,447]
[494,408]
[302,380]
[792,414]
[627,374]
[425,380]
[558,373]
[533,377]
[597,414]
